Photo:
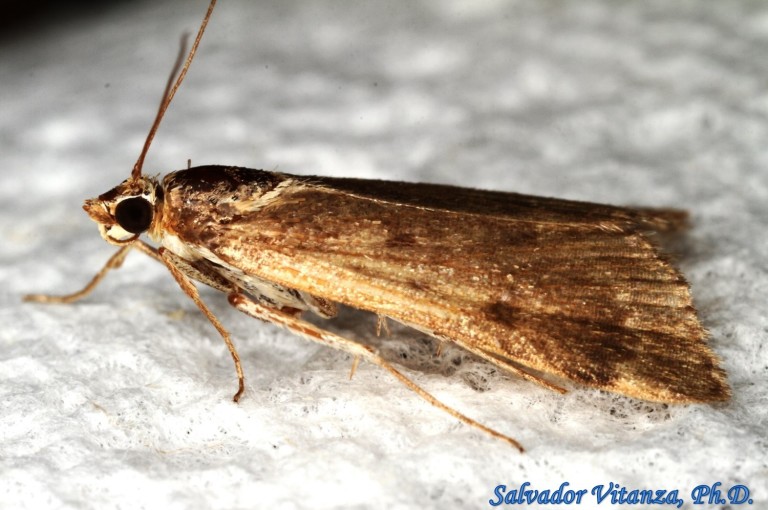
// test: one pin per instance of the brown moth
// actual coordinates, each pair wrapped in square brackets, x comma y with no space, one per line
[536,286]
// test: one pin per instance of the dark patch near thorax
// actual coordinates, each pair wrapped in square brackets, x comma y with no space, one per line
[200,200]
[212,180]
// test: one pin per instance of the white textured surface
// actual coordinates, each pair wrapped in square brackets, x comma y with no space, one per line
[123,400]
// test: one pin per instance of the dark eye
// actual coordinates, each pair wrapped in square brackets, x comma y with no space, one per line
[134,214]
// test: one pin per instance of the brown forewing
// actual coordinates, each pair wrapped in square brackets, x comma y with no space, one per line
[568,288]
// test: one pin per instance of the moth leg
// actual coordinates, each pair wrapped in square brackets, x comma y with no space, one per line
[321,307]
[312,332]
[381,323]
[355,362]
[505,365]
[114,262]
[147,249]
[499,362]
[172,262]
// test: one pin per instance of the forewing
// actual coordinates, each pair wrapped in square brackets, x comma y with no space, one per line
[571,289]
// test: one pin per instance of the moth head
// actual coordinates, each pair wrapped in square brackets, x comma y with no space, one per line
[127,210]
[134,206]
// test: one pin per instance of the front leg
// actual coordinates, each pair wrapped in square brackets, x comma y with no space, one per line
[182,270]
[114,262]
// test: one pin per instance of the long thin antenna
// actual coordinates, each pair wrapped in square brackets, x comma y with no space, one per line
[183,45]
[168,96]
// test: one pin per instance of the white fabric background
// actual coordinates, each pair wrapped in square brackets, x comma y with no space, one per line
[123,400]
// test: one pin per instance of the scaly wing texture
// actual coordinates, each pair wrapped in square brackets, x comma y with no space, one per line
[572,289]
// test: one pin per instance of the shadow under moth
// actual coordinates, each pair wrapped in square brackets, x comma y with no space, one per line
[543,288]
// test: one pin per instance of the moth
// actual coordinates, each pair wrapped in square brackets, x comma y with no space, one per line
[550,290]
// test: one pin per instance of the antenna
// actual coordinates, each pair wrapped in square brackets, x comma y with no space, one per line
[171,91]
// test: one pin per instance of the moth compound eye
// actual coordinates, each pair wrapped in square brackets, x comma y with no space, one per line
[134,215]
